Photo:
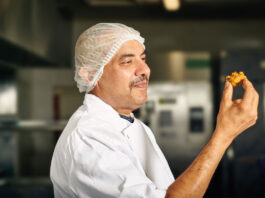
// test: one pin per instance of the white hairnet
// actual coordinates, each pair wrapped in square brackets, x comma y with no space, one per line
[96,47]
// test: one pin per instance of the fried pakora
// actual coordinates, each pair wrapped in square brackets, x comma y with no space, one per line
[236,79]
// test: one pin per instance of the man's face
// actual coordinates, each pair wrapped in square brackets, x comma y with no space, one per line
[124,82]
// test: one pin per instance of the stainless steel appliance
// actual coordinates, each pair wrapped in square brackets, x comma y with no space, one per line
[180,115]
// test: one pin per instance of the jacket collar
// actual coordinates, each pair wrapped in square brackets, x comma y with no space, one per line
[104,112]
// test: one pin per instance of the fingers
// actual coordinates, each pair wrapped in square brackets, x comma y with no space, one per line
[256,100]
[250,96]
[248,87]
[250,99]
[227,95]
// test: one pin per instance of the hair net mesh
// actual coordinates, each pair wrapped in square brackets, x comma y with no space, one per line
[96,47]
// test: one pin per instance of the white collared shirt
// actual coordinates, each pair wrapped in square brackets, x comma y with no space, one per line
[100,154]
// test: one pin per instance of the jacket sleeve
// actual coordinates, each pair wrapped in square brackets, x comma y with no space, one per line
[96,170]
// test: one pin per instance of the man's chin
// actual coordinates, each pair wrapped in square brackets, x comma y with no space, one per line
[140,100]
[139,96]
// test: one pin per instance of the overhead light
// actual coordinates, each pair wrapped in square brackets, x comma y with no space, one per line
[171,5]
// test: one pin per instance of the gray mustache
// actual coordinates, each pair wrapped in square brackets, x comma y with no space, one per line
[139,79]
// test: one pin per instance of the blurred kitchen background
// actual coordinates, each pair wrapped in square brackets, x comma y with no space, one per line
[190,49]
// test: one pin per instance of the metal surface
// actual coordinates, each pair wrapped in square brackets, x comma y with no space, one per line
[40,187]
[32,125]
[8,99]
[8,154]
[8,93]
[19,155]
[179,66]
[180,116]
[27,22]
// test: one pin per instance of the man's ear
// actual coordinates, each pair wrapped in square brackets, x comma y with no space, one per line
[84,74]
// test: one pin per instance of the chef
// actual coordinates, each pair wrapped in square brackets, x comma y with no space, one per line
[105,152]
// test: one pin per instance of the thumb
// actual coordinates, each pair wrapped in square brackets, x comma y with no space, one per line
[227,94]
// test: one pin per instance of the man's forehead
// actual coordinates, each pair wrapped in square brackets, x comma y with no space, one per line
[131,47]
[124,55]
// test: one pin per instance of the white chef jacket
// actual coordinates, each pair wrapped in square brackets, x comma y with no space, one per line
[101,155]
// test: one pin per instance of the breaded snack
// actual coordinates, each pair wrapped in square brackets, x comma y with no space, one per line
[236,79]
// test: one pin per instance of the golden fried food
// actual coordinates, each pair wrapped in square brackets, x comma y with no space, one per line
[236,79]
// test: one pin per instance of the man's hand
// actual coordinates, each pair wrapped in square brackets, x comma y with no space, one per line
[236,116]
[233,118]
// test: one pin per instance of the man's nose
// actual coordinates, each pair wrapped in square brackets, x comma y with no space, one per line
[142,69]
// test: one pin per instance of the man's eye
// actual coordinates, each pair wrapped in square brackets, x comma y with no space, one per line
[126,62]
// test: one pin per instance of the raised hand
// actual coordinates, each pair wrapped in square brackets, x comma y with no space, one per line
[236,116]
